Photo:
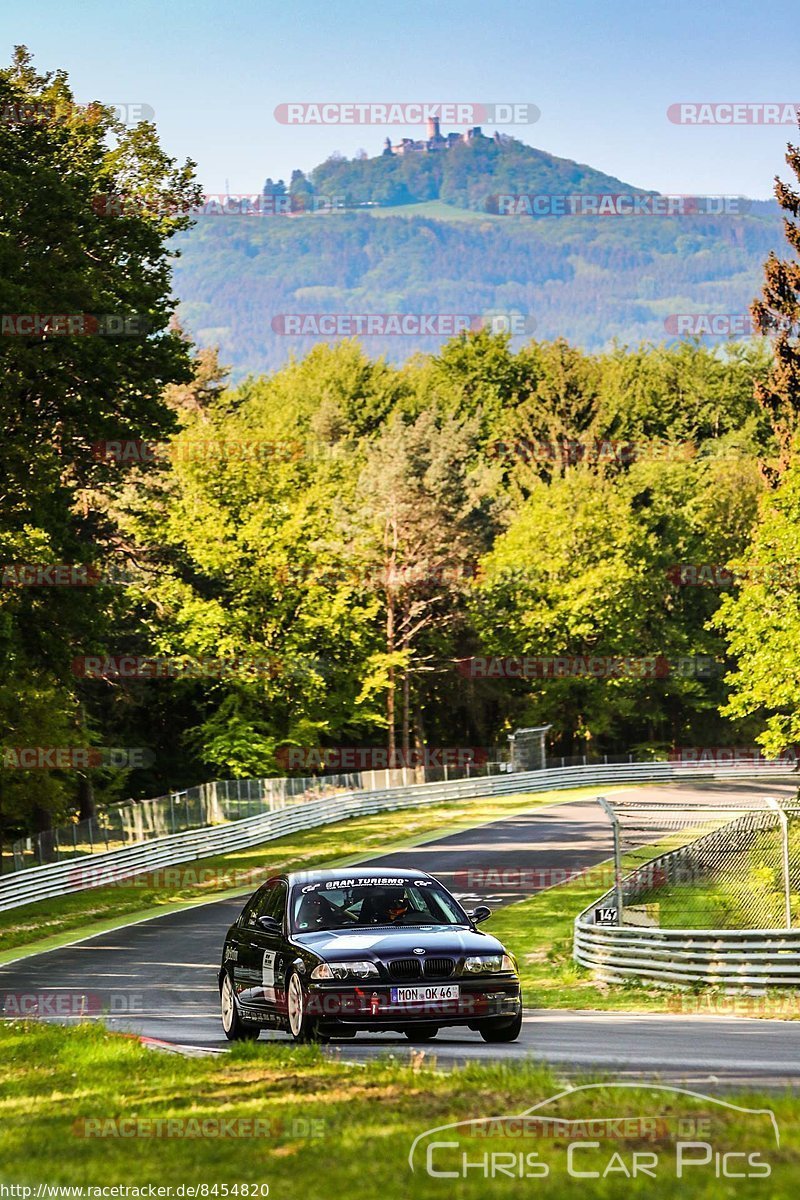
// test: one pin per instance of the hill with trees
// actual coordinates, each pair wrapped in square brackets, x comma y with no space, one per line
[426,244]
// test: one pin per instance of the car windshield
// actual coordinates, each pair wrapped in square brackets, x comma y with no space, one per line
[356,904]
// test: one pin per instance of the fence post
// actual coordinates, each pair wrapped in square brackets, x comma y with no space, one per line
[612,816]
[784,823]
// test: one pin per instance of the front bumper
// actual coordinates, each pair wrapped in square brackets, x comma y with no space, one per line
[371,1005]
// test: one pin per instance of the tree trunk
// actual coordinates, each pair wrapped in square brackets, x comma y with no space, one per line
[419,734]
[406,719]
[86,805]
[390,719]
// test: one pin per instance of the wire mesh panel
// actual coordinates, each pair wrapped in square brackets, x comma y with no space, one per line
[720,863]
[215,803]
[528,750]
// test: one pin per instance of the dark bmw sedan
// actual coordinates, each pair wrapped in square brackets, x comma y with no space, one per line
[328,953]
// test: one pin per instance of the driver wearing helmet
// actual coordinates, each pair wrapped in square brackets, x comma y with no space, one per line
[390,906]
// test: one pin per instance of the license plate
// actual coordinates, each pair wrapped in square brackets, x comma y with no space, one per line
[419,995]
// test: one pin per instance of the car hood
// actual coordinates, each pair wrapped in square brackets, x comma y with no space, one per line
[381,942]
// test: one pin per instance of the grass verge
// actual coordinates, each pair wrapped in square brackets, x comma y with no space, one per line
[311,1126]
[540,932]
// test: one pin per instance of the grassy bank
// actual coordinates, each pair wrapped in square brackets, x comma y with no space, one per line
[51,922]
[745,891]
[540,931]
[310,1126]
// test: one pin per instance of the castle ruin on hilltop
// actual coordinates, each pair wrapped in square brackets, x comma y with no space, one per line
[437,141]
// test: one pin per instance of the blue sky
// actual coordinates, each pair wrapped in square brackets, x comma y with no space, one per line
[602,75]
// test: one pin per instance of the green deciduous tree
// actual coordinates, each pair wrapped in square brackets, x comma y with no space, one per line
[86,208]
[777,312]
[762,620]
[427,517]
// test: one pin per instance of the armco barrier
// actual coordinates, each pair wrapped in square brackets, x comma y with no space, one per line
[729,957]
[78,874]
[732,958]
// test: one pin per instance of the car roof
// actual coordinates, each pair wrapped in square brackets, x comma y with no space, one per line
[361,874]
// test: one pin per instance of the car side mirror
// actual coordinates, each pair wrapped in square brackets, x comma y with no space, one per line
[268,925]
[480,913]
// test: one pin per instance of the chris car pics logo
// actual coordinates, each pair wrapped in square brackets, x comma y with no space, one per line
[655,1132]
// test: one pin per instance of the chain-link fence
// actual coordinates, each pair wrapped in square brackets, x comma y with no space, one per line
[216,803]
[720,863]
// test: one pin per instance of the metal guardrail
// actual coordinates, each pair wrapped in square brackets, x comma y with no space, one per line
[215,804]
[729,957]
[79,874]
[733,958]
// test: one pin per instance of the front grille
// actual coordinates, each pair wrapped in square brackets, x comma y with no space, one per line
[439,968]
[405,968]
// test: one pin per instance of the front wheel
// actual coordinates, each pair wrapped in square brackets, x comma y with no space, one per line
[301,1026]
[236,1030]
[501,1029]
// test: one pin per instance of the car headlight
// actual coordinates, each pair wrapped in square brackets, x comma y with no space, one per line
[488,964]
[361,969]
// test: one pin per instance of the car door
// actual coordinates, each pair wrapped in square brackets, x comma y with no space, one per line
[247,967]
[262,947]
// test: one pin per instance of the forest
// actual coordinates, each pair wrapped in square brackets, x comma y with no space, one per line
[200,574]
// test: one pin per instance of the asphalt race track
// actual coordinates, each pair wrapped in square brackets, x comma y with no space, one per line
[158,978]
